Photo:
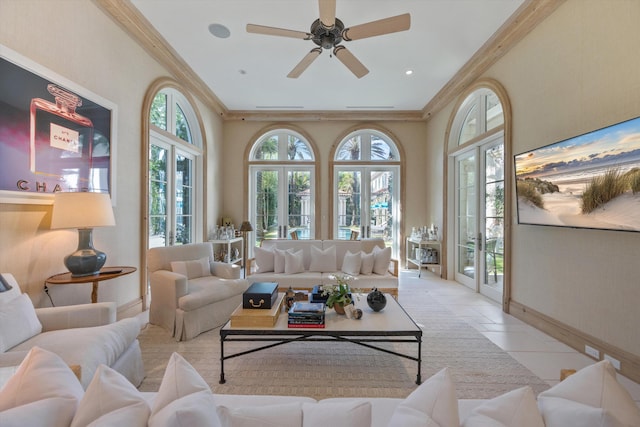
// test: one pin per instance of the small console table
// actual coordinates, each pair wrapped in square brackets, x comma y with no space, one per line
[106,273]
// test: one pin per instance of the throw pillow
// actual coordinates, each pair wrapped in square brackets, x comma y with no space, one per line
[323,261]
[111,399]
[516,408]
[183,398]
[590,397]
[42,392]
[278,260]
[351,263]
[434,403]
[382,259]
[18,322]
[12,290]
[192,269]
[322,414]
[284,415]
[264,259]
[293,262]
[367,263]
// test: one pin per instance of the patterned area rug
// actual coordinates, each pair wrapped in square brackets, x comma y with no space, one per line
[480,369]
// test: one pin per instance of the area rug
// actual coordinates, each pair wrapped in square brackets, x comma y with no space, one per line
[480,369]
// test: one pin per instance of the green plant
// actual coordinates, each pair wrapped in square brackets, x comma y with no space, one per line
[340,293]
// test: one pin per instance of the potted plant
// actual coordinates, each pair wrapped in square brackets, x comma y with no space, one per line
[339,295]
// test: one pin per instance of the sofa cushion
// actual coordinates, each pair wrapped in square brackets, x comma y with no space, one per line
[293,262]
[264,259]
[184,398]
[382,258]
[351,263]
[109,400]
[368,259]
[323,260]
[204,291]
[43,392]
[516,408]
[434,403]
[88,347]
[356,413]
[590,397]
[18,322]
[192,269]
[277,415]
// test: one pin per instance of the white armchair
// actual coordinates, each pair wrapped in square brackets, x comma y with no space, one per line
[86,335]
[191,293]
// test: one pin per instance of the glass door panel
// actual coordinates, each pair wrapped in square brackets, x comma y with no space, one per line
[266,204]
[158,196]
[184,200]
[349,201]
[381,206]
[466,218]
[299,203]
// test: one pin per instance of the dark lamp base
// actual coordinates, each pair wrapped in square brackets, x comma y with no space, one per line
[86,260]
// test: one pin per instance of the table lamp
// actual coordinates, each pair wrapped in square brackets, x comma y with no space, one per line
[83,211]
[245,228]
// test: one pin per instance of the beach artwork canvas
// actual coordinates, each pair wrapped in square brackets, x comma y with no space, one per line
[588,181]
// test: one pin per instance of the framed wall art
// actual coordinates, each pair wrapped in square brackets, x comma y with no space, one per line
[54,135]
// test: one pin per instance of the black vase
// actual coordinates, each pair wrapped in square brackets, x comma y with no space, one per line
[376,300]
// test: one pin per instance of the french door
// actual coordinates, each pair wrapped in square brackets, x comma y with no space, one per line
[479,213]
[171,194]
[283,202]
[365,202]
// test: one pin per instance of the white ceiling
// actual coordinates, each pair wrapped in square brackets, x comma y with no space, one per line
[248,71]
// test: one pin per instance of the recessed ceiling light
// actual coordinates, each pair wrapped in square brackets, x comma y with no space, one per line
[408,72]
[243,72]
[219,31]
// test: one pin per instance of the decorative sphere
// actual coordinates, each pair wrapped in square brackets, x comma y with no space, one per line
[376,300]
[357,313]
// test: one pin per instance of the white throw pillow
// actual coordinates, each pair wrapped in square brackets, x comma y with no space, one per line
[323,261]
[283,415]
[517,408]
[368,260]
[192,269]
[183,398]
[337,414]
[278,260]
[264,259]
[382,260]
[351,263]
[111,400]
[43,392]
[18,322]
[590,397]
[433,404]
[9,288]
[293,262]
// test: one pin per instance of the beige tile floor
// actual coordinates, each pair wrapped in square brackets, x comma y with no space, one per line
[541,354]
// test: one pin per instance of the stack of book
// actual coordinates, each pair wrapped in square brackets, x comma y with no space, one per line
[306,315]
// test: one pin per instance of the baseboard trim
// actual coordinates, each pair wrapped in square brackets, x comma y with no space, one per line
[130,309]
[629,363]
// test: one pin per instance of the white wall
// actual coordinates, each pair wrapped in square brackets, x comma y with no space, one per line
[576,72]
[76,40]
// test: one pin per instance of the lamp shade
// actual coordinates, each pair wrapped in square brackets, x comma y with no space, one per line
[82,210]
[246,226]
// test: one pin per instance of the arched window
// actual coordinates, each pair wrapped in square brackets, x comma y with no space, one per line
[175,170]
[366,187]
[476,176]
[282,174]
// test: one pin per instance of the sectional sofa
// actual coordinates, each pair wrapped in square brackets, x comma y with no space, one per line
[302,264]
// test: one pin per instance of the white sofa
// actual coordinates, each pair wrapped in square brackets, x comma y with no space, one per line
[368,260]
[590,398]
[85,335]
[190,292]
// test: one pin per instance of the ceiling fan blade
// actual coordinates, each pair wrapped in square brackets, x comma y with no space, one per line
[306,61]
[273,31]
[327,12]
[378,28]
[352,63]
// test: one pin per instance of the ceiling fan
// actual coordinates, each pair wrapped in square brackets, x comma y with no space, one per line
[328,32]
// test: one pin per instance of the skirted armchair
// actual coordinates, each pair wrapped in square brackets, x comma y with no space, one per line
[191,293]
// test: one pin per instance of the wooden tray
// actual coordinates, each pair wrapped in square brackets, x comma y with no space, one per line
[244,317]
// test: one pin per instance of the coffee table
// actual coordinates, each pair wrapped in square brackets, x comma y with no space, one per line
[391,325]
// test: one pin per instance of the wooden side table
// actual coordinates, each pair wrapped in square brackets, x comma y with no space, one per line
[106,273]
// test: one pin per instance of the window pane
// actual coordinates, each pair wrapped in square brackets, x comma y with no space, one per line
[469,127]
[494,111]
[350,149]
[349,189]
[183,229]
[159,111]
[297,149]
[268,149]
[380,213]
[157,196]
[299,183]
[380,150]
[266,205]
[182,127]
